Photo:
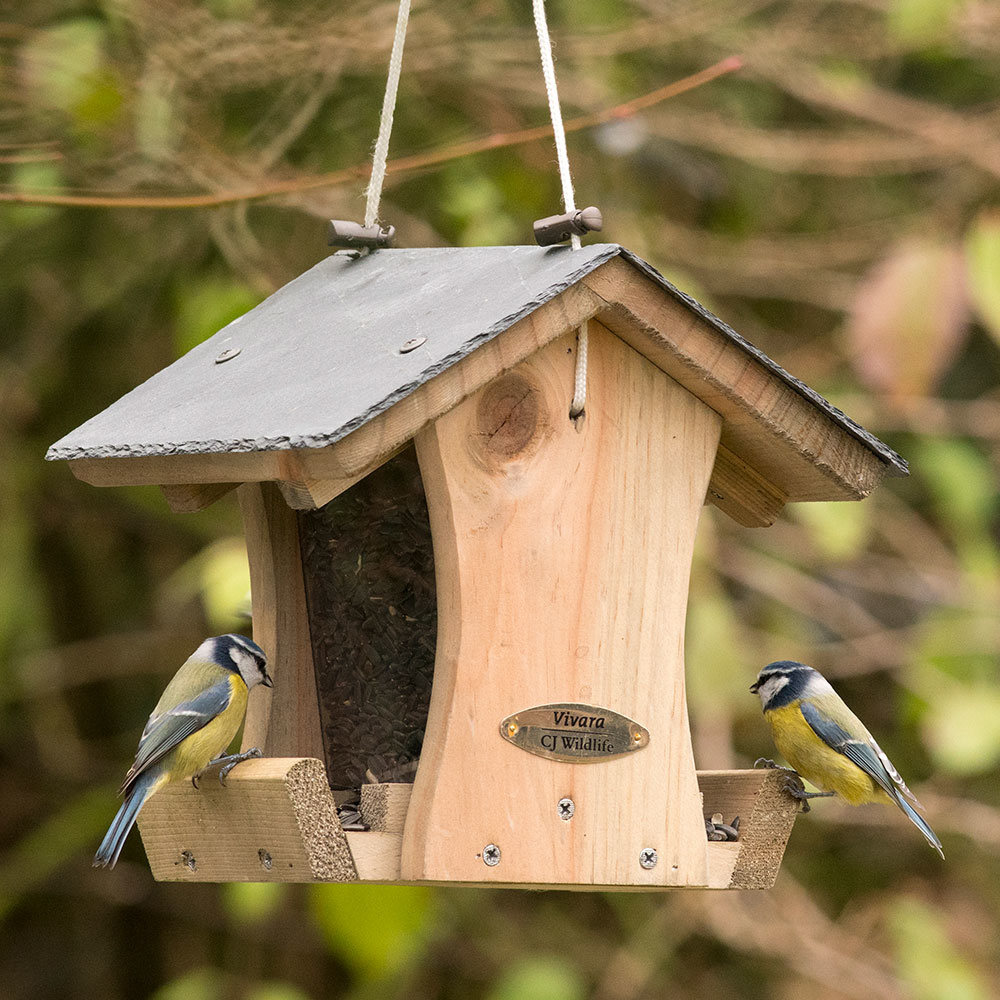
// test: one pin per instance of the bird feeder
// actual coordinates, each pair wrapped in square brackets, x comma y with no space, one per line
[474,606]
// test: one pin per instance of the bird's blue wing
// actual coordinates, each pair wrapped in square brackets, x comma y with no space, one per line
[165,731]
[861,753]
[870,758]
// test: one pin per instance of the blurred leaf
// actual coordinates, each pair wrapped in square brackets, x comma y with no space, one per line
[205,306]
[931,965]
[276,991]
[543,977]
[77,826]
[21,614]
[840,531]
[33,178]
[963,486]
[909,318]
[155,113]
[61,63]
[922,21]
[220,577]
[962,728]
[200,984]
[982,257]
[376,930]
[711,645]
[252,902]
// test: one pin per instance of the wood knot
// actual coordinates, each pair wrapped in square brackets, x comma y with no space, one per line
[510,412]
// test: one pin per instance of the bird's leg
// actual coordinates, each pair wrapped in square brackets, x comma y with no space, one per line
[230,761]
[794,785]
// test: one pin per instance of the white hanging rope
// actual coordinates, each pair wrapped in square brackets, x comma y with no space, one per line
[580,379]
[576,407]
[555,113]
[374,192]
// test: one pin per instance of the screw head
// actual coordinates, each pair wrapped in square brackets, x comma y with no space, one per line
[648,857]
[412,344]
[491,855]
[566,808]
[228,354]
[266,861]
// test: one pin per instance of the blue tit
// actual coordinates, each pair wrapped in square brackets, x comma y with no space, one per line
[193,723]
[827,744]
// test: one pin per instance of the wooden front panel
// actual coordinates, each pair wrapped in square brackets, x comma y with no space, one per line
[563,555]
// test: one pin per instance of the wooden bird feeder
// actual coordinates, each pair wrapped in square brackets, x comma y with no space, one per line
[484,632]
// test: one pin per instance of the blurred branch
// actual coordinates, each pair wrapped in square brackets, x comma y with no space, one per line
[786,924]
[978,418]
[967,818]
[968,137]
[848,153]
[498,140]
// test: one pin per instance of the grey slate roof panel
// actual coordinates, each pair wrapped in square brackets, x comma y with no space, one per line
[320,357]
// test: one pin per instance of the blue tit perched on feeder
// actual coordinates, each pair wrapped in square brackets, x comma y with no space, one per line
[828,744]
[193,723]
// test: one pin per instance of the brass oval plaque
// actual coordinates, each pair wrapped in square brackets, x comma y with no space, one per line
[576,734]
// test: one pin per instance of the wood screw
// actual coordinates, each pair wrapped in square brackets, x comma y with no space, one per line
[648,857]
[491,855]
[566,808]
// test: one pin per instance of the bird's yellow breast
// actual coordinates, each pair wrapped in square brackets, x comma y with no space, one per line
[817,762]
[212,739]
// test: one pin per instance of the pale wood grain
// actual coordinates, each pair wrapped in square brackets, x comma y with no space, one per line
[283,720]
[384,806]
[274,821]
[783,436]
[376,855]
[562,560]
[192,497]
[767,813]
[742,493]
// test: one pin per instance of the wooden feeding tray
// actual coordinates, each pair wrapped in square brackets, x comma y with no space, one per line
[459,586]
[276,821]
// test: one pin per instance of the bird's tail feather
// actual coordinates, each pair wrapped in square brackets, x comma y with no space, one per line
[920,823]
[114,839]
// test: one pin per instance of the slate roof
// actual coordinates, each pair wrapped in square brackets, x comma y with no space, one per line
[321,356]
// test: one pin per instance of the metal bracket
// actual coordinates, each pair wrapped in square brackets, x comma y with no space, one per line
[354,236]
[559,228]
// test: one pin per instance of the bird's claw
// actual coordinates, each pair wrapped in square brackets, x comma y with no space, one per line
[236,758]
[793,783]
[228,762]
[795,787]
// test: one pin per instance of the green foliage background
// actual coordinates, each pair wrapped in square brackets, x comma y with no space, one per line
[836,200]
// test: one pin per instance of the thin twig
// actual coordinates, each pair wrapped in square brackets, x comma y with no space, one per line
[417,161]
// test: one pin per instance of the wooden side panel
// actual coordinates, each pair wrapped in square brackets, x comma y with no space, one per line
[273,821]
[767,813]
[283,721]
[562,558]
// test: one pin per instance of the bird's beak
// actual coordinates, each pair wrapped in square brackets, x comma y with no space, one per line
[753,687]
[266,680]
